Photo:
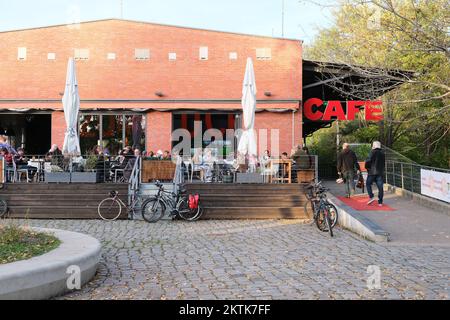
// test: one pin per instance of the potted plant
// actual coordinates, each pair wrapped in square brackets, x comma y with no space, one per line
[88,173]
[57,175]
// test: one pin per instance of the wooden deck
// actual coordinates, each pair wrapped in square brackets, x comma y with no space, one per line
[251,201]
[58,201]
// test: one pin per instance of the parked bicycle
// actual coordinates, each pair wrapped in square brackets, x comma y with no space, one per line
[154,208]
[110,208]
[325,214]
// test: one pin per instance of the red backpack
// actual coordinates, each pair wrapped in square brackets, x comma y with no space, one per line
[193,201]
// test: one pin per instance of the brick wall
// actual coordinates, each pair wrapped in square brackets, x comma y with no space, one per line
[58,128]
[125,78]
[282,122]
[158,131]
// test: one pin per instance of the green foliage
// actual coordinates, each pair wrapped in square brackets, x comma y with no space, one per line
[17,243]
[91,162]
[411,35]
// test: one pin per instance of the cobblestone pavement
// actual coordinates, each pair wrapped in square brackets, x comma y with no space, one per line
[253,260]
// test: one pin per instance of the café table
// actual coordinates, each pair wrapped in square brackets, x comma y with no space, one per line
[285,165]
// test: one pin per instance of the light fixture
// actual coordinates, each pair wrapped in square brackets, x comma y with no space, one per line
[268,94]
[159,94]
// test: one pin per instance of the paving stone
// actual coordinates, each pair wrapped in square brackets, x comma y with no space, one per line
[252,260]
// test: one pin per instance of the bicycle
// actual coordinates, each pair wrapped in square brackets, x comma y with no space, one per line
[325,214]
[153,209]
[109,209]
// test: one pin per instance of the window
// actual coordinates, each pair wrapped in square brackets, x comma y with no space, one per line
[111,56]
[233,55]
[142,54]
[263,54]
[51,56]
[172,56]
[113,132]
[81,54]
[22,53]
[203,53]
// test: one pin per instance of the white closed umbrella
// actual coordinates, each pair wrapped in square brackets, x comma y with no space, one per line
[71,105]
[179,175]
[247,143]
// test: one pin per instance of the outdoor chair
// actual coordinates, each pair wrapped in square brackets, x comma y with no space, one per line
[269,173]
[117,175]
[10,173]
[20,172]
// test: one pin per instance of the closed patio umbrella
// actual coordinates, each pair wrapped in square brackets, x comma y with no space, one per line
[179,175]
[247,143]
[71,105]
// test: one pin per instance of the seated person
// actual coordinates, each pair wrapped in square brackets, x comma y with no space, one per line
[166,156]
[54,155]
[265,159]
[5,154]
[8,157]
[22,163]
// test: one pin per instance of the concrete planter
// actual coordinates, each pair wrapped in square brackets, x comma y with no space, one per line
[249,178]
[84,177]
[57,177]
[48,276]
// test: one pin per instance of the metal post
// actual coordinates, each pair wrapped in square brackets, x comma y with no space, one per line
[403,184]
[412,180]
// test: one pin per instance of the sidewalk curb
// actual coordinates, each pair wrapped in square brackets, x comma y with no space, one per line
[351,220]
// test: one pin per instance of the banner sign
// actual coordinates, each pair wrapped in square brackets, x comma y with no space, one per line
[435,184]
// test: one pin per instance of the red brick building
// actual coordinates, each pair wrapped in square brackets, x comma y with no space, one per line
[157,77]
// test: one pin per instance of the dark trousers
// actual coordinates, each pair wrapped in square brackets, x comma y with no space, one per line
[349,178]
[379,181]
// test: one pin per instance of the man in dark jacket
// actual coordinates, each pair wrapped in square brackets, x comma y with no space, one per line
[348,168]
[375,166]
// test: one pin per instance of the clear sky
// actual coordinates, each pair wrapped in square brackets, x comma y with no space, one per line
[261,17]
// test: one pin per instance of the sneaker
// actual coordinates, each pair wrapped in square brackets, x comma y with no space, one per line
[380,204]
[371,201]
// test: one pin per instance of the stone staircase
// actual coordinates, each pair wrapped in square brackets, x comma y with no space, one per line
[251,201]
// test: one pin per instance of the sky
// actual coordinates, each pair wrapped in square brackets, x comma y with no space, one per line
[260,17]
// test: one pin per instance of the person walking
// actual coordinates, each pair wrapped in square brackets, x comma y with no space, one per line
[348,168]
[375,166]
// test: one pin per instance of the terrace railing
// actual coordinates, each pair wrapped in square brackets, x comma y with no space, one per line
[407,175]
[68,169]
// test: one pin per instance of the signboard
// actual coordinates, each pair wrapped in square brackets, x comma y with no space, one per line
[435,184]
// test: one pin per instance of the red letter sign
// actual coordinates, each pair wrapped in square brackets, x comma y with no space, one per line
[308,109]
[374,113]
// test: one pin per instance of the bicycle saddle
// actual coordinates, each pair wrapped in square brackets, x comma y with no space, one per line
[113,194]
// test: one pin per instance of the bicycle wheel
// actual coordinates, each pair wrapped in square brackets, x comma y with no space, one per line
[187,213]
[309,208]
[328,222]
[153,210]
[3,208]
[109,209]
[333,214]
[320,221]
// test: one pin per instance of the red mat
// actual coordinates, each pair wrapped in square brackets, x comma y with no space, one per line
[360,204]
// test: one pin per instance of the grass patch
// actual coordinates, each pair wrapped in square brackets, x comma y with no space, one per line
[17,243]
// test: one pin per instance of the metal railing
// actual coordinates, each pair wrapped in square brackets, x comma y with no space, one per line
[407,175]
[272,170]
[68,169]
[134,181]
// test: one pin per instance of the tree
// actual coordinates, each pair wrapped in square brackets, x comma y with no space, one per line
[396,44]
